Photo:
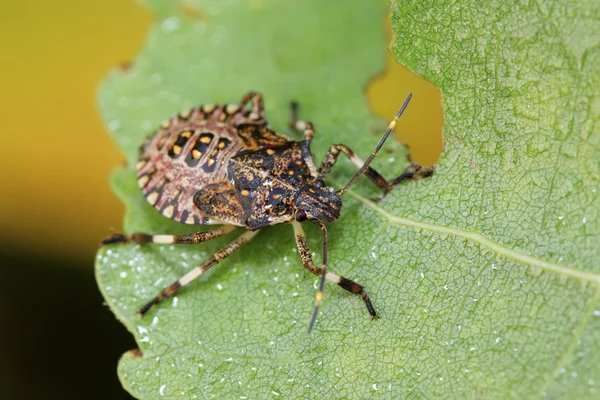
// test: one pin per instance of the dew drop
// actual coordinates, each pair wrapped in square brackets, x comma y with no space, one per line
[114,125]
[156,78]
[124,101]
[170,24]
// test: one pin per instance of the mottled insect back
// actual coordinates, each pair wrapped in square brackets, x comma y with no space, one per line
[192,150]
[224,164]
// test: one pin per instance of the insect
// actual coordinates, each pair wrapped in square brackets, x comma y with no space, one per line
[224,165]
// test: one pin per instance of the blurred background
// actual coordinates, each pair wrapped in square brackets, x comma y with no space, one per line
[57,339]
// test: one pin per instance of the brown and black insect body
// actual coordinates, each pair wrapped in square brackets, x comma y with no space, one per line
[225,165]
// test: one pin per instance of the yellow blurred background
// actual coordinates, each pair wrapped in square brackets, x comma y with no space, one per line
[55,202]
[56,155]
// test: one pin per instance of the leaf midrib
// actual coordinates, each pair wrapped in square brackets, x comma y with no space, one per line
[520,257]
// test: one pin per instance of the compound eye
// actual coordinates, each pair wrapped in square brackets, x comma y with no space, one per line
[301,216]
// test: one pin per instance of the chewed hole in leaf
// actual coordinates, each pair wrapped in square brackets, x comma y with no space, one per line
[421,128]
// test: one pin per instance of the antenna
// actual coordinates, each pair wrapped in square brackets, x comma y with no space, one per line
[389,130]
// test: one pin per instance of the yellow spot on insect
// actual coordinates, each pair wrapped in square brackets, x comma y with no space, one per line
[392,124]
[291,172]
[166,124]
[196,154]
[210,162]
[253,116]
[276,196]
[270,152]
[176,150]
[232,108]
[143,181]
[208,108]
[186,114]
[205,139]
[168,212]
[245,192]
[221,145]
[190,219]
[186,134]
[152,197]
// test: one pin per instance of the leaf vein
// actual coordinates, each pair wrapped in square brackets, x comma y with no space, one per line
[568,271]
[577,333]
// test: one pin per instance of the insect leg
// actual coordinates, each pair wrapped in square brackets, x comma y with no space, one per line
[319,298]
[196,272]
[257,103]
[342,282]
[365,166]
[413,171]
[307,128]
[192,238]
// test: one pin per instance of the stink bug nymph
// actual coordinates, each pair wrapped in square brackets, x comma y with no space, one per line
[224,165]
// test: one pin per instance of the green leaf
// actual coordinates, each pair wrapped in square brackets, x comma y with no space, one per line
[518,182]
[485,276]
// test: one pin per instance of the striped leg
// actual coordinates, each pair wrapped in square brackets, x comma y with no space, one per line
[413,171]
[307,128]
[342,282]
[257,103]
[196,272]
[192,238]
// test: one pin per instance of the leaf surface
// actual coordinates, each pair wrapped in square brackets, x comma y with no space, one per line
[485,275]
[520,174]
